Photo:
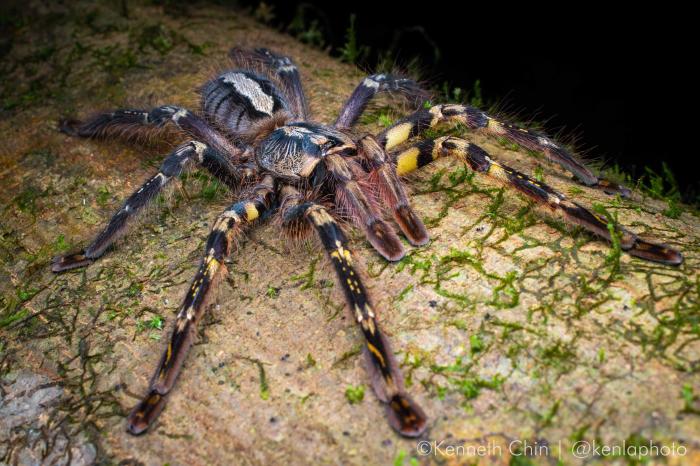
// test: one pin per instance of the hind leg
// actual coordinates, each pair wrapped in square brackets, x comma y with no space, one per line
[133,123]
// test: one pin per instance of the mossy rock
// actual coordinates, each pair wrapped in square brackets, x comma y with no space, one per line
[509,326]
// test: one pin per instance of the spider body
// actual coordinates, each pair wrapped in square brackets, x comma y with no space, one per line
[254,134]
[236,99]
[293,151]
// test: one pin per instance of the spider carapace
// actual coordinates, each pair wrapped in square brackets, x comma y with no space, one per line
[254,134]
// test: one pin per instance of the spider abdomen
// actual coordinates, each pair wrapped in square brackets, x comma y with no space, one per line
[237,99]
[294,150]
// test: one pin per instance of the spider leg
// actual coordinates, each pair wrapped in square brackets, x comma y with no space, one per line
[391,191]
[351,197]
[371,86]
[129,123]
[474,118]
[226,227]
[173,166]
[425,152]
[404,414]
[282,69]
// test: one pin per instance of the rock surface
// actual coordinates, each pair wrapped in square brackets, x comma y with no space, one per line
[512,330]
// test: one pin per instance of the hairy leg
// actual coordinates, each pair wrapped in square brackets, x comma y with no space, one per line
[183,157]
[474,118]
[390,190]
[217,248]
[351,198]
[424,152]
[371,86]
[131,123]
[404,414]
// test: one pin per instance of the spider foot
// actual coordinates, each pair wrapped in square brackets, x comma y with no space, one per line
[69,126]
[70,261]
[655,252]
[608,187]
[384,240]
[411,225]
[144,413]
[405,416]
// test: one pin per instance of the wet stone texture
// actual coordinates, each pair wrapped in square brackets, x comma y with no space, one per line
[508,326]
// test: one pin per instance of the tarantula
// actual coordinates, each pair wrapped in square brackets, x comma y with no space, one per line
[254,133]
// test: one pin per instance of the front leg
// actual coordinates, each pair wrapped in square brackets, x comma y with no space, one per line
[385,183]
[227,226]
[404,415]
[353,198]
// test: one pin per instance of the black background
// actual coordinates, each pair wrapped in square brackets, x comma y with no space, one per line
[621,83]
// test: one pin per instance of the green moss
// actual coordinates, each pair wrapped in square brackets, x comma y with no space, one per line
[11,312]
[355,394]
[538,174]
[403,293]
[505,294]
[155,36]
[60,245]
[272,292]
[673,210]
[689,399]
[558,355]
[115,59]
[455,185]
[574,190]
[545,420]
[385,120]
[476,343]
[613,257]
[210,188]
[508,144]
[27,198]
[309,277]
[413,263]
[156,323]
[519,458]
[345,357]
[264,386]
[310,361]
[402,456]
[103,196]
[460,379]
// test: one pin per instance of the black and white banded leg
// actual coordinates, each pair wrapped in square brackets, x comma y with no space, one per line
[473,118]
[219,244]
[424,152]
[129,123]
[371,86]
[404,415]
[185,156]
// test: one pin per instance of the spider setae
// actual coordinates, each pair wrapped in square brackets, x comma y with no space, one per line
[254,133]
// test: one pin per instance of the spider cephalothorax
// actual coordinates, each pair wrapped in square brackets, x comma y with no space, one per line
[255,135]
